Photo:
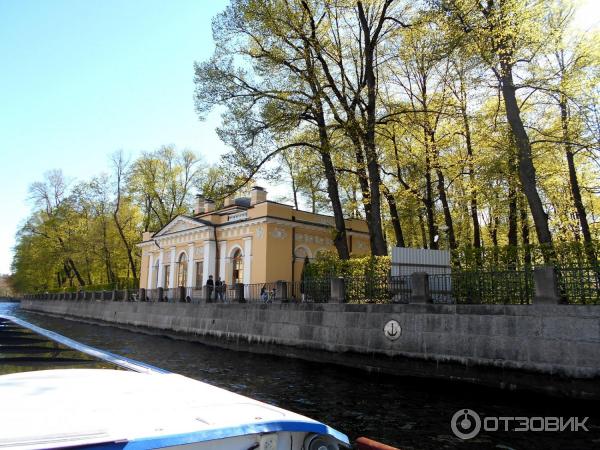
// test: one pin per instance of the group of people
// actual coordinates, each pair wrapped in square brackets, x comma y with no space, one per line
[266,295]
[218,287]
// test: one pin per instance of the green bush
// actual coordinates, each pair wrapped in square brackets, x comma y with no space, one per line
[329,265]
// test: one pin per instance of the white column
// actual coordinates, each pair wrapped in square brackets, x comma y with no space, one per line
[191,264]
[150,271]
[161,269]
[247,260]
[222,259]
[209,260]
[172,269]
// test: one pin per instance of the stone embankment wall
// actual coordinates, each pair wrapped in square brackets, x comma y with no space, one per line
[542,347]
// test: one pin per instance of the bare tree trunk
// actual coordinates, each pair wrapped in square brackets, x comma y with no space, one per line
[295,191]
[365,189]
[422,228]
[340,240]
[120,167]
[370,38]
[446,208]
[512,218]
[431,148]
[429,206]
[512,204]
[395,217]
[527,173]
[473,200]
[574,183]
[71,264]
[525,234]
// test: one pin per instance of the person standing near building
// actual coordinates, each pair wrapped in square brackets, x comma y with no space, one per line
[210,287]
[219,289]
[263,294]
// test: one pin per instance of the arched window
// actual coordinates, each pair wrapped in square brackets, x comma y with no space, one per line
[182,268]
[301,253]
[237,261]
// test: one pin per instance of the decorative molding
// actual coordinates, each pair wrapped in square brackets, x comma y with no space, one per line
[279,233]
[313,239]
[200,232]
[306,250]
[179,220]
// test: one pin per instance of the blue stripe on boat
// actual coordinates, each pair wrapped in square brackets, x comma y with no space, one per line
[178,439]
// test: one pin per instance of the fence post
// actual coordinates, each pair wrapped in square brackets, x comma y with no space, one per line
[281,291]
[338,290]
[161,294]
[545,285]
[182,293]
[239,292]
[420,287]
[142,295]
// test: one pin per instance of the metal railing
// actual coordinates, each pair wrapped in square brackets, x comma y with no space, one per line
[497,287]
[370,289]
[310,291]
[579,285]
[573,285]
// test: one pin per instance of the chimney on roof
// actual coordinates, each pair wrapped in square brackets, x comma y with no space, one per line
[209,205]
[257,195]
[199,209]
[230,199]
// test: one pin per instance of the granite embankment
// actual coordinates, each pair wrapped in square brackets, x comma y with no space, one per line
[550,348]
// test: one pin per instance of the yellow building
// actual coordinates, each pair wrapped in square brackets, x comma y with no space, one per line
[250,240]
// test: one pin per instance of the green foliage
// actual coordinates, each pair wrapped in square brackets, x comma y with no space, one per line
[366,277]
[501,258]
[83,235]
[329,265]
[290,78]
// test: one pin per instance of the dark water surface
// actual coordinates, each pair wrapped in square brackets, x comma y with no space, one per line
[404,412]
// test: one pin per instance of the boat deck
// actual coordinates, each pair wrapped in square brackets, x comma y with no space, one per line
[137,407]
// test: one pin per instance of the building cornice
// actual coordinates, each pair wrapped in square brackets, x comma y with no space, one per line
[203,232]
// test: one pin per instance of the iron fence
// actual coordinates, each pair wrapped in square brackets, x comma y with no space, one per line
[440,288]
[576,285]
[490,287]
[579,285]
[368,290]
[400,289]
[316,290]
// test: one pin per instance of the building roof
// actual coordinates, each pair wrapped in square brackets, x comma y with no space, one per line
[243,212]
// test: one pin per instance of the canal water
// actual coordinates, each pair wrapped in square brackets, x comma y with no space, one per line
[404,412]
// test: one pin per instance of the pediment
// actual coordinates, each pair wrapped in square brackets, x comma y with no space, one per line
[179,223]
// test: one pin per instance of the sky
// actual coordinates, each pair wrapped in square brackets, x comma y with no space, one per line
[80,80]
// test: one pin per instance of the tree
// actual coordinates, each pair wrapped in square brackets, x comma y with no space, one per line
[281,91]
[507,33]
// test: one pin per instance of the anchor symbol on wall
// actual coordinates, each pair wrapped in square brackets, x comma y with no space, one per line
[392,330]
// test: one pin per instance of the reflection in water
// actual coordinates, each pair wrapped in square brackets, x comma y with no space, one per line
[409,413]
